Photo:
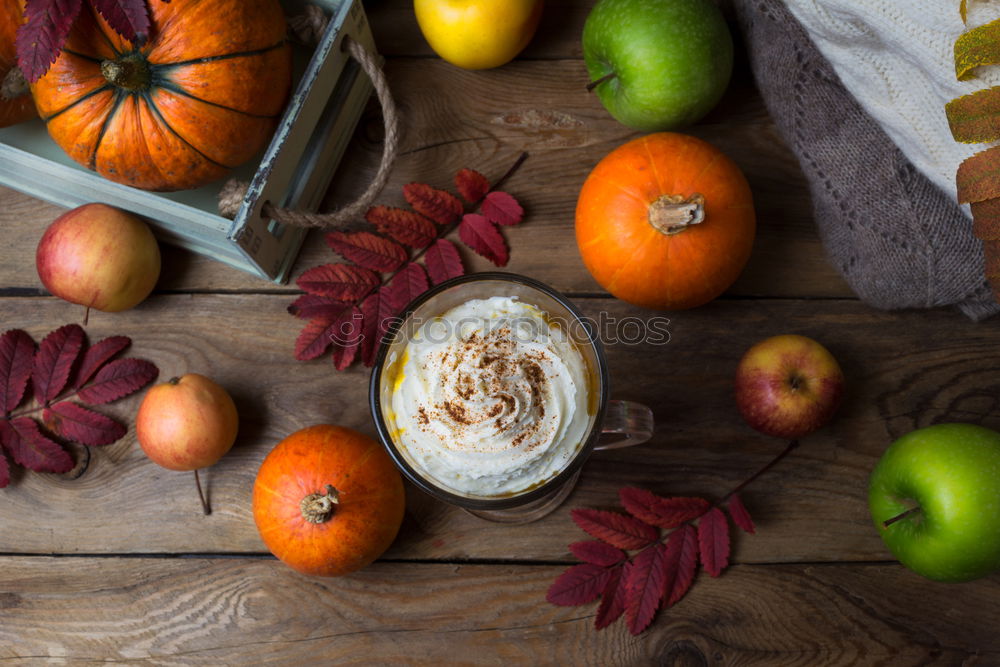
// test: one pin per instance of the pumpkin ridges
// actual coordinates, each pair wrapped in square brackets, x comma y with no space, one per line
[72,78]
[228,145]
[222,56]
[177,21]
[242,84]
[79,134]
[180,91]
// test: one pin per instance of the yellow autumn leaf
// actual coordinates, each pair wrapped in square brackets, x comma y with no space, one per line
[962,10]
[977,47]
[975,118]
[978,177]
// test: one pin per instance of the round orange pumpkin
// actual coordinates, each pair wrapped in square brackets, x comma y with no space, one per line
[665,221]
[328,500]
[15,108]
[202,95]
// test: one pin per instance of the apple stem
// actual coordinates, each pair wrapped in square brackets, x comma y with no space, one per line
[205,507]
[900,517]
[86,316]
[785,452]
[595,84]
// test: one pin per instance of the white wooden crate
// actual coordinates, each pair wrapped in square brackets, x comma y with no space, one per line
[294,170]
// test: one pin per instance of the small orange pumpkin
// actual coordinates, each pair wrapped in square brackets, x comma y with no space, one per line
[665,221]
[20,107]
[202,95]
[328,500]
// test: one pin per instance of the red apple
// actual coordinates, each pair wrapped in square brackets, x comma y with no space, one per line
[186,423]
[100,257]
[788,386]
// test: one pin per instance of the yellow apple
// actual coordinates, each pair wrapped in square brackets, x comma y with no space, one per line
[478,34]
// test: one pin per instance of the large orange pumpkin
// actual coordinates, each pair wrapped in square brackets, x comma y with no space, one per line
[21,107]
[202,95]
[328,500]
[665,221]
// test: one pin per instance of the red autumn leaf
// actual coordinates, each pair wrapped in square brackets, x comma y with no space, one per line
[443,261]
[371,331]
[978,177]
[408,284]
[54,361]
[672,512]
[579,584]
[644,587]
[43,34]
[77,423]
[117,380]
[403,225]
[612,598]
[346,336]
[388,312]
[442,207]
[4,469]
[502,208]
[472,185]
[616,529]
[33,449]
[682,563]
[129,18]
[640,503]
[368,250]
[596,552]
[338,281]
[17,357]
[713,541]
[484,238]
[97,355]
[311,307]
[740,515]
[314,339]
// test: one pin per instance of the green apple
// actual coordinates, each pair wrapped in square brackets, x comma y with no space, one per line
[945,482]
[667,61]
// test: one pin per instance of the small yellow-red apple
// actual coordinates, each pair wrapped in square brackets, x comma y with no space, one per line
[186,423]
[788,386]
[100,257]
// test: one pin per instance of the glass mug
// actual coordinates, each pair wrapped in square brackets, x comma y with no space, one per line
[612,423]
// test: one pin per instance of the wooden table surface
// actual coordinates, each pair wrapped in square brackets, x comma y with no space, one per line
[120,565]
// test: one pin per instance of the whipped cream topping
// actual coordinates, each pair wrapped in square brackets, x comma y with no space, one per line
[490,399]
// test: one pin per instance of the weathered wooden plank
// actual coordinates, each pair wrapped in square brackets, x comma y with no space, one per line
[904,370]
[455,118]
[249,611]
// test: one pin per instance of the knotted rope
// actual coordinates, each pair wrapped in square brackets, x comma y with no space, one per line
[309,28]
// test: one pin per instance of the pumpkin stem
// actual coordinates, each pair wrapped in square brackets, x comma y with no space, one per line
[14,85]
[318,507]
[130,72]
[672,214]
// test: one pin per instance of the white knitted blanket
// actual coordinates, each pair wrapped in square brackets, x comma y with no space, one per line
[897,58]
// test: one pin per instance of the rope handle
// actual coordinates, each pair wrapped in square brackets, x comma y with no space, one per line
[309,28]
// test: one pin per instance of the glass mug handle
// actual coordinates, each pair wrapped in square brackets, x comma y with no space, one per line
[631,422]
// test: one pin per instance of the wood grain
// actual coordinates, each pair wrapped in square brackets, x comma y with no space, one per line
[243,611]
[904,370]
[455,118]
